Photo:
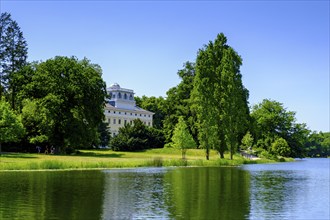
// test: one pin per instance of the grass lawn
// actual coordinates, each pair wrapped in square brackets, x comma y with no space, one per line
[103,159]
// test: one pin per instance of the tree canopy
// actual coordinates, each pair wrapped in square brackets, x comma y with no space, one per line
[69,95]
[219,97]
[13,52]
[11,128]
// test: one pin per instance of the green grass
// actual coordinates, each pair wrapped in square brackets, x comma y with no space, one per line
[103,159]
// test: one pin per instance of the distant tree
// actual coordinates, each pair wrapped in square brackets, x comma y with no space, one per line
[73,93]
[155,105]
[104,134]
[219,97]
[273,121]
[280,147]
[13,53]
[318,145]
[136,137]
[247,141]
[181,138]
[11,128]
[178,103]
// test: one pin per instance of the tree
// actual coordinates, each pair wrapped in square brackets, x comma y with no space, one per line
[104,134]
[247,141]
[178,103]
[181,138]
[136,137]
[273,121]
[73,93]
[219,97]
[155,105]
[13,52]
[280,147]
[11,128]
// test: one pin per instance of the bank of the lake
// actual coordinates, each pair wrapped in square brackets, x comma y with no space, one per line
[105,159]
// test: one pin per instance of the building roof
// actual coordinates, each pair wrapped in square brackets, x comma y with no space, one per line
[137,109]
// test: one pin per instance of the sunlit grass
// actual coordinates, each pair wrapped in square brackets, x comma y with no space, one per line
[104,159]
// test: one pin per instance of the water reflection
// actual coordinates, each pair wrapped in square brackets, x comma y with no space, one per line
[181,193]
[51,195]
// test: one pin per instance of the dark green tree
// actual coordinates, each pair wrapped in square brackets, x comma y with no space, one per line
[73,93]
[136,137]
[11,128]
[155,105]
[178,103]
[13,53]
[219,97]
[104,134]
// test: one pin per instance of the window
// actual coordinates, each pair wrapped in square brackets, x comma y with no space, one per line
[148,123]
[109,120]
[125,96]
[114,121]
[119,95]
[119,112]
[149,116]
[119,121]
[145,116]
[135,114]
[131,113]
[125,122]
[140,114]
[130,97]
[108,111]
[114,112]
[125,113]
[114,96]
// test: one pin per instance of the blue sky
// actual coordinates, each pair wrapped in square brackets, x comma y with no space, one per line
[142,44]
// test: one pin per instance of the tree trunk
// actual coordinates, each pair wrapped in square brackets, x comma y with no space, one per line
[207,153]
[0,147]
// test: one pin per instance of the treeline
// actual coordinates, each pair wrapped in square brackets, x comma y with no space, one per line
[60,103]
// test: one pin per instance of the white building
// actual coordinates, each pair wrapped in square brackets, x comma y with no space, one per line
[121,109]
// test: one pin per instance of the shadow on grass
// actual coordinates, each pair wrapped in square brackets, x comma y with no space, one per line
[17,155]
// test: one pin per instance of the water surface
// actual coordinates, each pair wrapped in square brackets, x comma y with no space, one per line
[298,190]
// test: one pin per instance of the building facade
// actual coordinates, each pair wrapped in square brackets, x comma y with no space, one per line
[121,109]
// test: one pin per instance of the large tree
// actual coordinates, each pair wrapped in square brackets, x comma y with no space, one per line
[11,128]
[272,121]
[71,95]
[13,52]
[219,97]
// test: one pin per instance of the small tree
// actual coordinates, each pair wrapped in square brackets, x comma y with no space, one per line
[11,127]
[280,147]
[247,141]
[182,139]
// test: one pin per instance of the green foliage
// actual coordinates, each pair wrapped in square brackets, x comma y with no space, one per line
[272,121]
[318,145]
[104,134]
[181,138]
[280,147]
[247,141]
[155,105]
[11,128]
[13,54]
[178,103]
[219,97]
[136,137]
[69,95]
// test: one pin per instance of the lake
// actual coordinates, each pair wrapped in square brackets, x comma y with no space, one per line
[296,190]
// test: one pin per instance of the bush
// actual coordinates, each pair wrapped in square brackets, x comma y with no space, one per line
[137,137]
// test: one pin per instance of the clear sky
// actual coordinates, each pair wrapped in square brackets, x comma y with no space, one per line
[142,44]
